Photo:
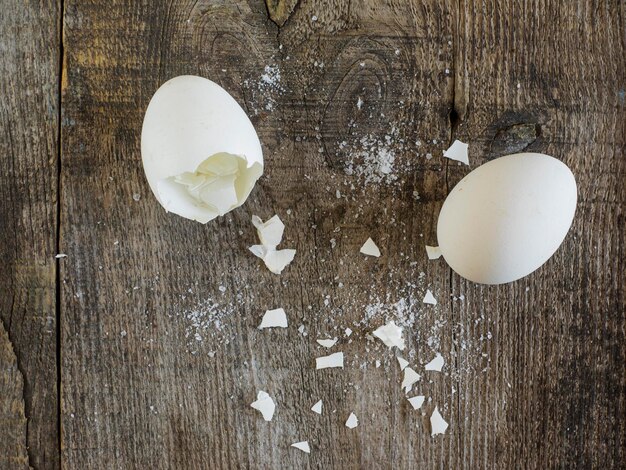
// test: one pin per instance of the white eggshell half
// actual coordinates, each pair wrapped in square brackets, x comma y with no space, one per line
[200,152]
[507,217]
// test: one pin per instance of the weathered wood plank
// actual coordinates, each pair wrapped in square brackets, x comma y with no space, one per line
[29,110]
[554,394]
[13,452]
[161,356]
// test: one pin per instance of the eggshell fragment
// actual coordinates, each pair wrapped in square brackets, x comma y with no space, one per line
[433,252]
[507,217]
[303,446]
[265,405]
[327,343]
[352,421]
[436,364]
[332,360]
[391,335]
[438,425]
[276,318]
[200,152]
[458,152]
[317,408]
[270,234]
[410,377]
[429,298]
[417,401]
[369,248]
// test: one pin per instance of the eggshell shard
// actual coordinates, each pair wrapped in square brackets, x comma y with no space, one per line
[507,217]
[200,152]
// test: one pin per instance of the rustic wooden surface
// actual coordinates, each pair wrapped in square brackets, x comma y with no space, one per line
[29,129]
[147,331]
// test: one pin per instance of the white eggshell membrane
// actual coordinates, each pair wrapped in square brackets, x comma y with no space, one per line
[507,217]
[200,152]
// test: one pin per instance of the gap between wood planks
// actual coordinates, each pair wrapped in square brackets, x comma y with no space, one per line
[60,84]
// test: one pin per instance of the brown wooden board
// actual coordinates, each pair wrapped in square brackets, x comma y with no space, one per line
[354,102]
[29,123]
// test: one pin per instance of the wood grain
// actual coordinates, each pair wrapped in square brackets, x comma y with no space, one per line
[354,102]
[29,116]
[13,452]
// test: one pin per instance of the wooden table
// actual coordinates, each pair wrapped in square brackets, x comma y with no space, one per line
[140,349]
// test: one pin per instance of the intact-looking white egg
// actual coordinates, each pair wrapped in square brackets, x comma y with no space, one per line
[507,217]
[200,152]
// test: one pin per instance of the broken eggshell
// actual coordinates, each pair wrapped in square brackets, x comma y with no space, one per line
[507,217]
[200,152]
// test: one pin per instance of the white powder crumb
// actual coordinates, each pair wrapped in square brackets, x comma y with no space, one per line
[222,288]
[276,318]
[377,363]
[265,405]
[136,197]
[314,18]
[429,298]
[436,364]
[348,331]
[301,330]
[369,248]
[61,255]
[359,103]
[303,446]
[317,408]
[372,158]
[123,333]
[352,421]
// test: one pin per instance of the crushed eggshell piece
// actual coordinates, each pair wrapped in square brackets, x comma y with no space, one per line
[433,252]
[458,152]
[327,343]
[417,401]
[403,362]
[317,408]
[436,364]
[391,335]
[429,298]
[410,377]
[369,248]
[333,360]
[270,234]
[277,260]
[265,405]
[348,332]
[352,421]
[437,424]
[303,446]
[276,318]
